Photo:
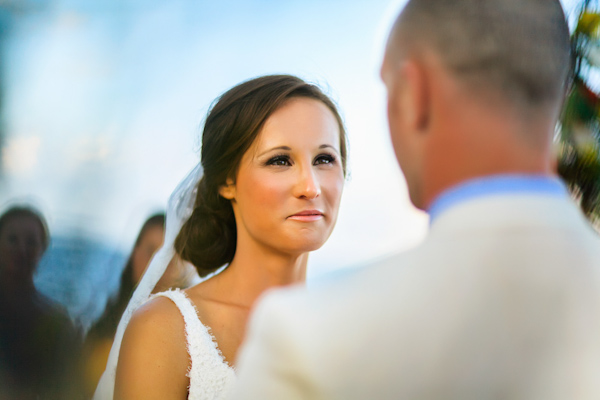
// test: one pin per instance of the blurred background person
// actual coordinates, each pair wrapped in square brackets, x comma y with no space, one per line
[178,275]
[39,346]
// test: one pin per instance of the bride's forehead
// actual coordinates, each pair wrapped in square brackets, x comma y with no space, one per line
[302,129]
[294,141]
[300,113]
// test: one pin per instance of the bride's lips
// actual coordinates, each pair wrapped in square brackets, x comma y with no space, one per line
[307,216]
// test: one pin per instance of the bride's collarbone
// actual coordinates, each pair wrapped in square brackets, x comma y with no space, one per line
[226,322]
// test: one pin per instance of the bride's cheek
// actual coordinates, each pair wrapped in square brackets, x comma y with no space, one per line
[267,193]
[334,185]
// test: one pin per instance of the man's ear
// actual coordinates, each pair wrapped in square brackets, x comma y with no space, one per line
[228,189]
[414,95]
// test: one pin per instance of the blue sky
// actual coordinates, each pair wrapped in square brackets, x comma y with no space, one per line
[105,100]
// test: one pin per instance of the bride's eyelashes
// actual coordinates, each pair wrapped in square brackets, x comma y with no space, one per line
[325,158]
[279,160]
[284,160]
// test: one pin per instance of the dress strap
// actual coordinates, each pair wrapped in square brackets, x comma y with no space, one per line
[201,345]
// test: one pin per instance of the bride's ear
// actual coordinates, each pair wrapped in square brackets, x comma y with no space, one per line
[228,189]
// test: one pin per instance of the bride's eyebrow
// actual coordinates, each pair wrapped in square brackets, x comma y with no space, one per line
[275,148]
[287,148]
[328,146]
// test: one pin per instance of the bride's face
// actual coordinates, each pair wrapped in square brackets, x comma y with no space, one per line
[289,183]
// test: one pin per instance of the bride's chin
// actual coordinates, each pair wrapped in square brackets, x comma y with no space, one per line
[296,243]
[299,249]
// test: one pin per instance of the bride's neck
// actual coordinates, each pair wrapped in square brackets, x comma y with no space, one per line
[252,271]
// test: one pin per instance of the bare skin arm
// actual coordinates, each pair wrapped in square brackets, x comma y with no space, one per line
[153,361]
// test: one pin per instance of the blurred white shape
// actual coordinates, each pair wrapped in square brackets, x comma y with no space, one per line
[593,54]
[92,148]
[70,19]
[20,155]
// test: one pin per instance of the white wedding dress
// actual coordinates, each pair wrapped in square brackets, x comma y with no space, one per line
[210,375]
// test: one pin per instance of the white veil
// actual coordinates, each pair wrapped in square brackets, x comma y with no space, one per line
[179,209]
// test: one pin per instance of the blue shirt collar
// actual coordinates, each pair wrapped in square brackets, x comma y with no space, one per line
[494,185]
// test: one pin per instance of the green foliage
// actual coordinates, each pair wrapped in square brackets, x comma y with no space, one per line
[579,127]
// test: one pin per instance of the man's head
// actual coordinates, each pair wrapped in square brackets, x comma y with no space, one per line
[445,58]
[24,238]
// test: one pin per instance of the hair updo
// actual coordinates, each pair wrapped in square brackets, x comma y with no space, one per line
[208,238]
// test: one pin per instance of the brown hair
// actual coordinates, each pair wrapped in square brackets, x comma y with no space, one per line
[127,283]
[208,238]
[106,325]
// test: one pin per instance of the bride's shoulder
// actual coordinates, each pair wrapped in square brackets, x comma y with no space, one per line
[157,317]
[153,354]
[155,331]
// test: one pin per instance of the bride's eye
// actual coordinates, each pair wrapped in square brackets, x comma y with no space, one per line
[279,160]
[324,159]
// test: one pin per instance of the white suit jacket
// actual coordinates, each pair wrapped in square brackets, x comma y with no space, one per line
[501,301]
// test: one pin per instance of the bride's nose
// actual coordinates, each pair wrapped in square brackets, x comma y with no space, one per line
[307,185]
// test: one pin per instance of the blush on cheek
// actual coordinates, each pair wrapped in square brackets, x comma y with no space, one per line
[263,192]
[268,193]
[334,186]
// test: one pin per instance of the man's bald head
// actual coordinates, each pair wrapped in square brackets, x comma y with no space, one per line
[518,49]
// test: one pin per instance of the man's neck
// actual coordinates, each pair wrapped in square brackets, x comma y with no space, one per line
[477,142]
